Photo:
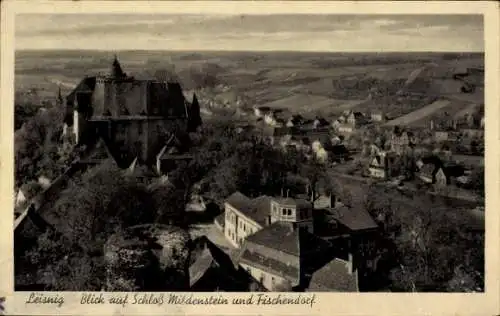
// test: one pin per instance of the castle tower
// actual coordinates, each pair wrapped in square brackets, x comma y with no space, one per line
[194,117]
[116,71]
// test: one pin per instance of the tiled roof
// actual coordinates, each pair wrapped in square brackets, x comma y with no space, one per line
[293,202]
[269,264]
[354,218]
[282,237]
[200,266]
[238,200]
[257,209]
[335,277]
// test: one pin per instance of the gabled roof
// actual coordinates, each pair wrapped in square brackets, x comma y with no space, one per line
[354,218]
[335,277]
[99,151]
[258,209]
[376,162]
[172,144]
[86,85]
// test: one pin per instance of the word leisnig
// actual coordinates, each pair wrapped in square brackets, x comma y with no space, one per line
[41,298]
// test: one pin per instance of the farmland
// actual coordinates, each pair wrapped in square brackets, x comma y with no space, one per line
[324,83]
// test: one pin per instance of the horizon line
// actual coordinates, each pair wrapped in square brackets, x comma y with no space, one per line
[243,51]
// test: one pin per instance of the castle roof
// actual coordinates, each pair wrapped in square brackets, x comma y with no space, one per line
[116,69]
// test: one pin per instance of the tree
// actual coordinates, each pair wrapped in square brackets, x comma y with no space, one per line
[476,183]
[284,286]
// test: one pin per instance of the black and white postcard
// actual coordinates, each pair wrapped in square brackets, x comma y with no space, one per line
[259,157]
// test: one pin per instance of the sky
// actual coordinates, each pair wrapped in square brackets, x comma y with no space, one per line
[214,32]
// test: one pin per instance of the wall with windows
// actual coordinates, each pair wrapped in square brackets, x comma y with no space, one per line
[267,279]
[289,213]
[238,227]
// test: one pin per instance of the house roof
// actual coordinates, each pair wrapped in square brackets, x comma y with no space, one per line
[376,161]
[269,264]
[209,256]
[293,202]
[354,218]
[281,236]
[257,209]
[334,276]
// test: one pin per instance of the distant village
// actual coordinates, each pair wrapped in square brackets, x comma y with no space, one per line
[305,241]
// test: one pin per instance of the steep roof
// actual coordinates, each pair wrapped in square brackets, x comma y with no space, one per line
[334,276]
[116,69]
[257,209]
[86,85]
[354,218]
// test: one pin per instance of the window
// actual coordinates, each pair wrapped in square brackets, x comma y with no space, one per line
[262,278]
[244,227]
[289,212]
[283,211]
[273,281]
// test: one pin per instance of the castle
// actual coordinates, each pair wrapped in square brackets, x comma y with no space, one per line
[134,117]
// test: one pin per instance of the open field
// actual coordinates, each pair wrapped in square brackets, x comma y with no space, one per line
[419,114]
[299,81]
[452,110]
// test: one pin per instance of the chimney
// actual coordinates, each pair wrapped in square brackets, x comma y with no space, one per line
[432,125]
[282,194]
[287,192]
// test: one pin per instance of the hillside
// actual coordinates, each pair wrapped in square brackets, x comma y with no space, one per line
[324,83]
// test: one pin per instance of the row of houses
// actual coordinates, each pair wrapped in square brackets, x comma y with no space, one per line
[309,244]
[429,170]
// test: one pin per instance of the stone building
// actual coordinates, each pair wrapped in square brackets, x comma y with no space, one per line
[134,116]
